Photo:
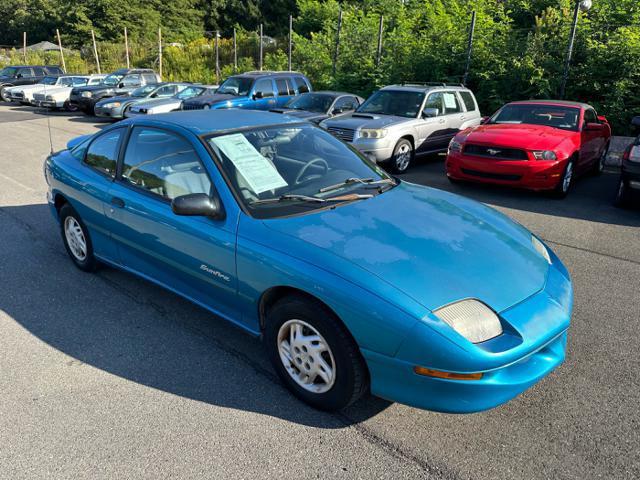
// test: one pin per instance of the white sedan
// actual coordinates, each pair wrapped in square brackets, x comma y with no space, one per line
[58,96]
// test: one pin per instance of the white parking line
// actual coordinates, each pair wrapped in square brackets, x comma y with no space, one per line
[16,182]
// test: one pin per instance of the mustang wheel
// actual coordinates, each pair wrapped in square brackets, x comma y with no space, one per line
[402,156]
[76,239]
[314,355]
[598,167]
[565,181]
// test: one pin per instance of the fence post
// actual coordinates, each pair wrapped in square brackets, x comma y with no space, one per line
[95,50]
[290,38]
[379,50]
[160,52]
[24,46]
[260,63]
[64,65]
[217,59]
[126,46]
[235,52]
[472,28]
[335,53]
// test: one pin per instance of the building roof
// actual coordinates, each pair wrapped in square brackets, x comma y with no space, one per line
[45,46]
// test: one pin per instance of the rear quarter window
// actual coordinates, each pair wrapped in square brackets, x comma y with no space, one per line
[102,154]
[469,102]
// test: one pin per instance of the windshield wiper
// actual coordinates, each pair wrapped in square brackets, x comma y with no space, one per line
[284,198]
[349,181]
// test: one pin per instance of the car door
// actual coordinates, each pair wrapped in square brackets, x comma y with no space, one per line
[25,76]
[454,114]
[432,130]
[591,140]
[194,256]
[285,91]
[263,95]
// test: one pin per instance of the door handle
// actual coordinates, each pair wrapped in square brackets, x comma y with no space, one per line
[117,202]
[441,120]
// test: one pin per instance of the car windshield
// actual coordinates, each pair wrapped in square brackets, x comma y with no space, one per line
[190,92]
[49,80]
[239,86]
[555,116]
[112,80]
[393,102]
[292,169]
[311,102]
[8,72]
[144,91]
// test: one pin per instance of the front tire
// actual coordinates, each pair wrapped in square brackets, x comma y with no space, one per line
[564,185]
[313,354]
[3,94]
[76,239]
[402,156]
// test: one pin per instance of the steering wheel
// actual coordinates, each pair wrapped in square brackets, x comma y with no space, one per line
[311,162]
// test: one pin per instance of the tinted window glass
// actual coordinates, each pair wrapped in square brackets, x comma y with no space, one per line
[301,85]
[346,104]
[451,103]
[39,71]
[311,102]
[164,164]
[590,116]
[467,98]
[265,85]
[131,80]
[281,85]
[102,153]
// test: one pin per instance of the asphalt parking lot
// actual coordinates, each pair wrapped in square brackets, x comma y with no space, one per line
[106,375]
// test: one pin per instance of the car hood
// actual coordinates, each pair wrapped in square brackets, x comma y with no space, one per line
[367,120]
[530,137]
[53,90]
[434,246]
[303,114]
[210,99]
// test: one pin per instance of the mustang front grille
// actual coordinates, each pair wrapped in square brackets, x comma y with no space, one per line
[345,134]
[495,152]
[494,176]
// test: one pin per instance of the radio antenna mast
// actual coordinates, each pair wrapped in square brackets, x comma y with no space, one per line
[48,122]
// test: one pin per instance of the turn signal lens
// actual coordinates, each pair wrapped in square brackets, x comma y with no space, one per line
[427,372]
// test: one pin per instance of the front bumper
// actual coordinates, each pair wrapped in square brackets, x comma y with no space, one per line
[115,112]
[531,174]
[376,150]
[86,104]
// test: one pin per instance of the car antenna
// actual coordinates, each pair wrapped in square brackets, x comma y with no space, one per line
[48,123]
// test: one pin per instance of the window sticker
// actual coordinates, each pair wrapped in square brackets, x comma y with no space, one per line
[450,100]
[258,171]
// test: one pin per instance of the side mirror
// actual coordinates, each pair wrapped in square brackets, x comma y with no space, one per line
[636,121]
[336,111]
[121,85]
[603,119]
[592,127]
[19,75]
[198,205]
[153,95]
[484,120]
[258,95]
[430,112]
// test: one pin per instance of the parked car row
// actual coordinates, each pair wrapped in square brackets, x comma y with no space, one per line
[542,145]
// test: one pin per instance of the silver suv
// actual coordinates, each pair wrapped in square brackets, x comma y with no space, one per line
[400,121]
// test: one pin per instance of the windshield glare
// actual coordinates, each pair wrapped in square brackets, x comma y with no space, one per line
[393,102]
[269,162]
[311,102]
[239,86]
[555,116]
[190,92]
[112,80]
[143,91]
[8,72]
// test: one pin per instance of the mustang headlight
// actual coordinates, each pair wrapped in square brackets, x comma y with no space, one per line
[86,94]
[472,319]
[373,133]
[541,249]
[544,155]
[455,146]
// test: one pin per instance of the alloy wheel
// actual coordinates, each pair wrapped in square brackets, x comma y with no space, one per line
[75,238]
[306,356]
[568,175]
[403,157]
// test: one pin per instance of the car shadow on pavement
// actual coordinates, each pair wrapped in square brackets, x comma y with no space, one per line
[77,117]
[125,326]
[591,197]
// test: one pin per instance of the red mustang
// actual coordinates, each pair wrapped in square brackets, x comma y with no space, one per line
[535,144]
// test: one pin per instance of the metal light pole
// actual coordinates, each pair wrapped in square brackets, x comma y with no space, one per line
[581,6]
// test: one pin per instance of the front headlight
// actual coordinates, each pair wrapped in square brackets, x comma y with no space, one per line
[111,105]
[472,319]
[373,132]
[541,249]
[49,98]
[455,146]
[86,94]
[544,155]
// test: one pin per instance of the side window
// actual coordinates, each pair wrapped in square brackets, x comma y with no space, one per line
[435,101]
[25,72]
[346,104]
[102,153]
[468,100]
[149,78]
[166,91]
[131,81]
[94,81]
[301,85]
[281,85]
[291,86]
[451,103]
[590,116]
[163,163]
[79,81]
[265,85]
[40,72]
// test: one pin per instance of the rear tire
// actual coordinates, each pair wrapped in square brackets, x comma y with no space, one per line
[402,156]
[76,239]
[623,197]
[598,167]
[314,355]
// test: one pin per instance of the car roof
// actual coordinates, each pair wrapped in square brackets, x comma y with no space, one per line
[419,87]
[564,103]
[122,71]
[267,73]
[202,122]
[329,92]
